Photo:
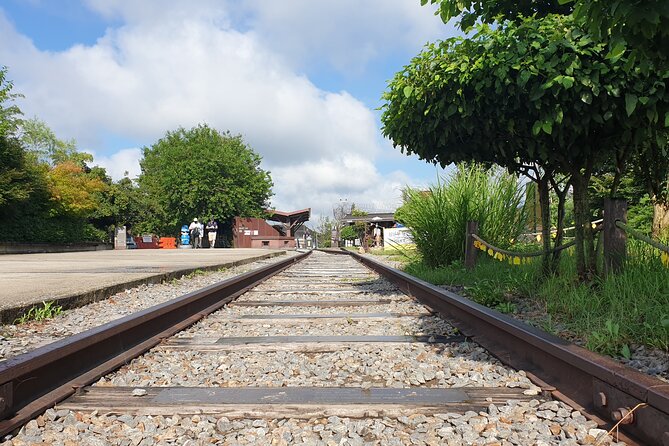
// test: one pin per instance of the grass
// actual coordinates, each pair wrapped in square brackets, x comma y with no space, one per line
[609,315]
[438,216]
[39,313]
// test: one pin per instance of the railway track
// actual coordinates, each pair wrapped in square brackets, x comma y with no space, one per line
[327,351]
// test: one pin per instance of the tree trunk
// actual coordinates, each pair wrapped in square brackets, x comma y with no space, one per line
[660,220]
[559,235]
[586,262]
[544,203]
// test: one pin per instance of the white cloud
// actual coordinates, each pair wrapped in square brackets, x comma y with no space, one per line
[119,164]
[177,64]
[140,81]
[322,184]
[347,34]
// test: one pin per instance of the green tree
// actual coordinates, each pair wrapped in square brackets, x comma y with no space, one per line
[348,233]
[9,113]
[16,175]
[535,94]
[202,173]
[38,138]
[324,232]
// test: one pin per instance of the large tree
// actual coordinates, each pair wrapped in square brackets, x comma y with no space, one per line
[534,93]
[203,173]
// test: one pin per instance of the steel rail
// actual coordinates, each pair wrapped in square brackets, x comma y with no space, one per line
[35,381]
[601,387]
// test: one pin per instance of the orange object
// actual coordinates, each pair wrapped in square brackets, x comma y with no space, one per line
[167,243]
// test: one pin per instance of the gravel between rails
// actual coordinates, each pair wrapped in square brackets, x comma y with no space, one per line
[537,422]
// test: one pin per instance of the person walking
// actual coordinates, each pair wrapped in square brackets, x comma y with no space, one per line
[195,234]
[212,229]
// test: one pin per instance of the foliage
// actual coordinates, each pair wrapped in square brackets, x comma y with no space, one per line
[643,26]
[202,173]
[8,113]
[16,183]
[619,311]
[490,11]
[438,217]
[348,233]
[73,191]
[38,138]
[47,311]
[323,232]
[524,93]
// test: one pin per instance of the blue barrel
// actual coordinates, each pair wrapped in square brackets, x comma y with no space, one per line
[185,236]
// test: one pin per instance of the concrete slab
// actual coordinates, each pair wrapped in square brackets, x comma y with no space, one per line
[76,278]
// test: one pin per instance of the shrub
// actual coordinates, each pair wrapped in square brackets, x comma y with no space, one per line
[437,217]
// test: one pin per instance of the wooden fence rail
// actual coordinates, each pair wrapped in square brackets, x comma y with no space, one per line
[614,241]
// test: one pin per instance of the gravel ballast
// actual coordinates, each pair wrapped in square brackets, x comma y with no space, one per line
[365,365]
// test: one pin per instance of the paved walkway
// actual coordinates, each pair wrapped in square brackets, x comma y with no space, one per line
[74,278]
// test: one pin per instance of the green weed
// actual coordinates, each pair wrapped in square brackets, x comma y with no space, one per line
[36,313]
[506,307]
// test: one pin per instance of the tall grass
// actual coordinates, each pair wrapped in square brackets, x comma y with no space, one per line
[438,216]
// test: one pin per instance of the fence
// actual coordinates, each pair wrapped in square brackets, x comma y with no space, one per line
[615,232]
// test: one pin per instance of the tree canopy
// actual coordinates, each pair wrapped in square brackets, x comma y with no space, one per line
[203,173]
[640,25]
[8,112]
[534,90]
[527,92]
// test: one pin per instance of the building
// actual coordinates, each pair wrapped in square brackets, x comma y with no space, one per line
[278,231]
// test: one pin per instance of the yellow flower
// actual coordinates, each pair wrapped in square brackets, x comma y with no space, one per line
[516,260]
[491,252]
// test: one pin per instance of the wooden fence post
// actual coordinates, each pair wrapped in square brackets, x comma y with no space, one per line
[470,250]
[615,239]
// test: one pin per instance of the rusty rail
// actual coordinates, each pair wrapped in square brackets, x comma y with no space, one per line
[33,382]
[604,389]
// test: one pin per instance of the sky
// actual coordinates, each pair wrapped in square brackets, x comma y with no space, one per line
[301,80]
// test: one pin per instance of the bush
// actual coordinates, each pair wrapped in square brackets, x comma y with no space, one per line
[438,216]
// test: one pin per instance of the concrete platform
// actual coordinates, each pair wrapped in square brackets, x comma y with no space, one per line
[76,278]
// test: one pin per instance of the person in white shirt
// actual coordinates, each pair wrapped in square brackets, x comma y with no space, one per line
[196,233]
[212,229]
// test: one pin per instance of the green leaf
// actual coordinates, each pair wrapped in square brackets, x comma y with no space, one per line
[586,97]
[536,128]
[666,119]
[644,100]
[547,127]
[567,81]
[564,2]
[630,103]
[407,91]
[625,351]
[617,51]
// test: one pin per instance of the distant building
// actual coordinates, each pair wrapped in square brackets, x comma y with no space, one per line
[383,220]
[259,233]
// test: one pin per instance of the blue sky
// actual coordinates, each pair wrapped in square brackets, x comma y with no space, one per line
[300,79]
